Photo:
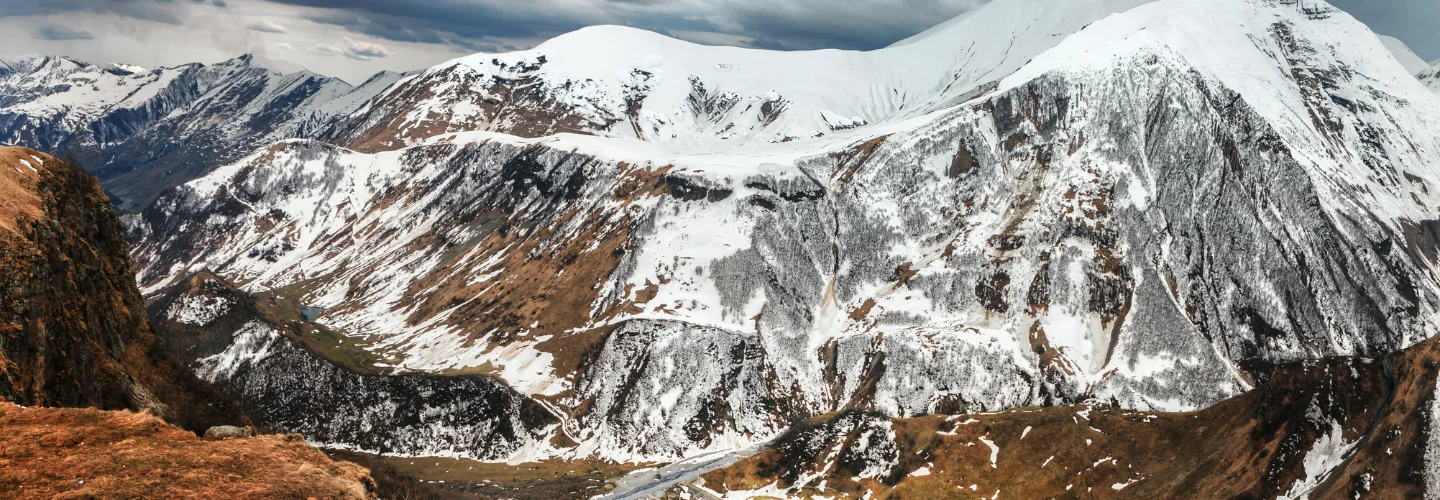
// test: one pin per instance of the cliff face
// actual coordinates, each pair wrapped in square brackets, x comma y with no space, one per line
[73,330]
[290,376]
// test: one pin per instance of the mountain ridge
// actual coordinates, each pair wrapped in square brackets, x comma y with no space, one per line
[142,132]
[1125,218]
[675,249]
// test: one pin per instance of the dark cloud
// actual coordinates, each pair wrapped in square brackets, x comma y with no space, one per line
[771,24]
[497,25]
[162,11]
[465,18]
[774,24]
[61,33]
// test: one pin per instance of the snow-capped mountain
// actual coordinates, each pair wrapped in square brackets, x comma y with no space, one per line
[1431,77]
[1407,58]
[623,82]
[142,131]
[678,248]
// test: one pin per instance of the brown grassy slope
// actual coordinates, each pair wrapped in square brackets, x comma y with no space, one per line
[73,329]
[1249,447]
[86,453]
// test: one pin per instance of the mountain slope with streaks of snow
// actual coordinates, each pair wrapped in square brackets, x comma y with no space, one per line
[142,131]
[1153,211]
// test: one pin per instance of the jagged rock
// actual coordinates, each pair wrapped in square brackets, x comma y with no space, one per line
[228,432]
[73,330]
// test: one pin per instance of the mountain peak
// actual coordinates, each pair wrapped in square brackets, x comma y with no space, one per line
[1018,16]
[1412,62]
[275,65]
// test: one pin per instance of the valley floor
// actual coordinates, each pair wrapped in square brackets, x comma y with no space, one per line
[451,478]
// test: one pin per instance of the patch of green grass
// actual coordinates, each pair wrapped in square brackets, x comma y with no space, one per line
[281,307]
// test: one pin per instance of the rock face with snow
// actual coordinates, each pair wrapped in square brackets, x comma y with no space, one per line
[142,131]
[265,363]
[1149,205]
[1431,78]
[1334,428]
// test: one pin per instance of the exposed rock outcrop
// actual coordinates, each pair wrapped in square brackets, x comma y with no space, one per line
[1333,428]
[73,329]
[290,377]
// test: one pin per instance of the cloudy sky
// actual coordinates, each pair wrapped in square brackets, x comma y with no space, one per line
[355,38]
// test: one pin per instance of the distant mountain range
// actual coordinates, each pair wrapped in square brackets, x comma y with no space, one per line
[142,131]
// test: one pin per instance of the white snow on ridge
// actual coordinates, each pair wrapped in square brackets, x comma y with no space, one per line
[1431,78]
[197,310]
[253,342]
[1411,61]
[1234,43]
[918,75]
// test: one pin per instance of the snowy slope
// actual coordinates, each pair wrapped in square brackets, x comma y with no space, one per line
[1148,211]
[1431,78]
[624,82]
[1411,61]
[1311,71]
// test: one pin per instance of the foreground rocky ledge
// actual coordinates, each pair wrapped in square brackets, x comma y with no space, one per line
[87,453]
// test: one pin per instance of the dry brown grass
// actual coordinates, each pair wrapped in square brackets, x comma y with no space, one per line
[1247,447]
[17,185]
[87,453]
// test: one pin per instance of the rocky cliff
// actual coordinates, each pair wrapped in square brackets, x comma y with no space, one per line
[291,375]
[73,330]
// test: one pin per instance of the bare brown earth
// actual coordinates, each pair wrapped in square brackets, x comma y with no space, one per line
[1252,446]
[18,199]
[517,106]
[86,453]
